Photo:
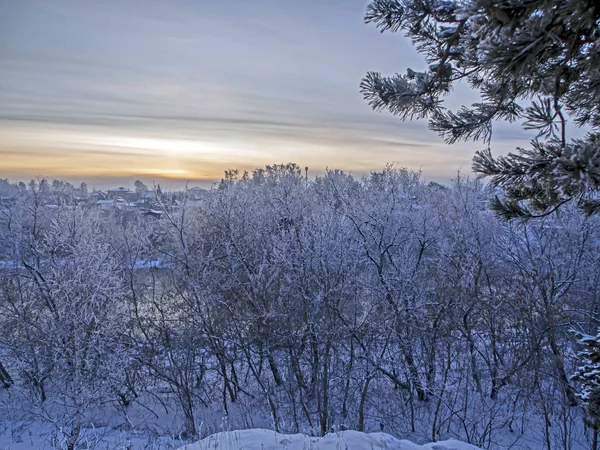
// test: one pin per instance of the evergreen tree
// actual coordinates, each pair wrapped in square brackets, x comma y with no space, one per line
[535,61]
[588,374]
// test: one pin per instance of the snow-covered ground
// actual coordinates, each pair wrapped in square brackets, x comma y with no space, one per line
[254,439]
[259,439]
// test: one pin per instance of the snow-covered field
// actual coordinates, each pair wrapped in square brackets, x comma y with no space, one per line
[258,439]
[253,439]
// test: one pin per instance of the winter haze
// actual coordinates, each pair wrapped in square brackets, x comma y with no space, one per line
[111,91]
[226,225]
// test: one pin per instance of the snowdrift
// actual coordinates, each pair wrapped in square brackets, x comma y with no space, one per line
[344,440]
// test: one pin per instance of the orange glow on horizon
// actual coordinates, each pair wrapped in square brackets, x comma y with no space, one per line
[88,153]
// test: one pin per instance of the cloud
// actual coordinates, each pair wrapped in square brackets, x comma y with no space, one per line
[177,89]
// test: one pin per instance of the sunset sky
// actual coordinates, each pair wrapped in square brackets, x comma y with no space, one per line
[109,91]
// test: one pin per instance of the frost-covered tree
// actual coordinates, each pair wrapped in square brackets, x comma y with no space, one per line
[531,61]
[588,374]
[305,305]
[140,186]
[62,316]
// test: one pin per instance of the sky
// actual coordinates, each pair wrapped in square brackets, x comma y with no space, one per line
[109,91]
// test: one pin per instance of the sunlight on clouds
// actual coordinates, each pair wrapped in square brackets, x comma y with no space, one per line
[169,173]
[109,152]
[188,92]
[173,147]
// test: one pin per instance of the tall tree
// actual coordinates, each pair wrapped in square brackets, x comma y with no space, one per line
[588,374]
[140,186]
[531,61]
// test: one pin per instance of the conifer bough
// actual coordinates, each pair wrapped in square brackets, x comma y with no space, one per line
[534,62]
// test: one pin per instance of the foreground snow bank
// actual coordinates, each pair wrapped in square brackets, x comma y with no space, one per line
[344,440]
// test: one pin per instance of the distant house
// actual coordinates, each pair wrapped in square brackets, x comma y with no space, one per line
[194,203]
[154,213]
[94,197]
[105,204]
[196,193]
[122,192]
[103,195]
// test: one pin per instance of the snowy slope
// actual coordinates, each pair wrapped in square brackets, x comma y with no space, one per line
[345,440]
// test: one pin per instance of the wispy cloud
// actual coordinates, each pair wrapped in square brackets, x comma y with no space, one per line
[179,89]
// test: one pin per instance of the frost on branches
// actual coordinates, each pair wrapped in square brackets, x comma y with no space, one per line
[588,374]
[380,303]
[537,62]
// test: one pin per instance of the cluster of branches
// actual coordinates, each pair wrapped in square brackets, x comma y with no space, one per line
[535,61]
[333,303]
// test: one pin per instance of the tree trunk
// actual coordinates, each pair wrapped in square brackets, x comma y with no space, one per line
[559,364]
[187,404]
[324,407]
[274,369]
[75,432]
[363,401]
[5,378]
[347,386]
[414,374]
